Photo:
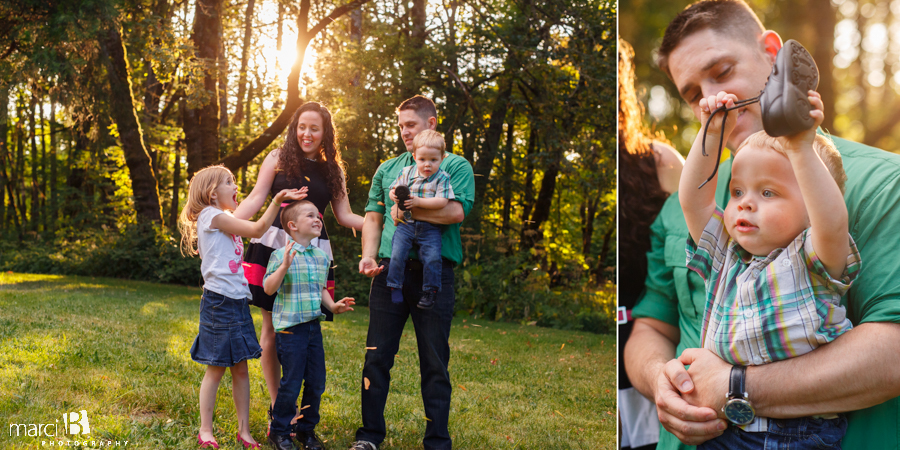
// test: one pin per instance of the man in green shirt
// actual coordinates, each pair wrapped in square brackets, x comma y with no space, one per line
[387,319]
[720,45]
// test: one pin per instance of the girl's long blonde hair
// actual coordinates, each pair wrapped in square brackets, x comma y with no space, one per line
[202,186]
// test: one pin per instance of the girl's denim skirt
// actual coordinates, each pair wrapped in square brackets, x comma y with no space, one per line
[226,335]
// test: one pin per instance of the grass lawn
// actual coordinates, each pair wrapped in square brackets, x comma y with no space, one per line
[119,350]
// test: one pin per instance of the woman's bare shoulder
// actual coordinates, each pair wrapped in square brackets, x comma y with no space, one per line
[669,164]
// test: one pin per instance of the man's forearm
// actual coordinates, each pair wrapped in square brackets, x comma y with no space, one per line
[857,370]
[371,234]
[650,346]
[448,215]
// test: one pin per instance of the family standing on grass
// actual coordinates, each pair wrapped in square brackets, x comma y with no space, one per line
[777,282]
[287,271]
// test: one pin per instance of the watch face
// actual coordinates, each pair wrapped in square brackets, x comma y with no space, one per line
[739,411]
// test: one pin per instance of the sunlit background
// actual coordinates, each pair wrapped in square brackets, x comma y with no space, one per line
[856,42]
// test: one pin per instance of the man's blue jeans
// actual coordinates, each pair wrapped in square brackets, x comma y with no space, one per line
[428,237]
[432,327]
[801,433]
[302,361]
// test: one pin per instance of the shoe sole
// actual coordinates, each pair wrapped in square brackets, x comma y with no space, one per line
[784,102]
[425,307]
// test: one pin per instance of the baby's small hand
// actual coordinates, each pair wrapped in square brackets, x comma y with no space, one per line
[412,202]
[343,305]
[805,138]
[392,196]
[709,104]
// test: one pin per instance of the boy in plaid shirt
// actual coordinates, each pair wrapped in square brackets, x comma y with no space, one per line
[299,272]
[776,261]
[429,188]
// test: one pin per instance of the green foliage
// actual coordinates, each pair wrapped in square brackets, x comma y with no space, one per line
[510,286]
[137,252]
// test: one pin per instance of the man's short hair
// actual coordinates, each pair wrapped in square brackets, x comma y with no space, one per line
[292,211]
[732,18]
[423,106]
[822,145]
[429,138]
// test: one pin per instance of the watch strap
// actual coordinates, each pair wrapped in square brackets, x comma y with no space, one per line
[737,380]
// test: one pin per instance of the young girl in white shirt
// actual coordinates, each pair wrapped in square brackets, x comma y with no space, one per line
[226,337]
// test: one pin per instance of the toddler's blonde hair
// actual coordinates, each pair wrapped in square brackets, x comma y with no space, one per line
[822,145]
[429,138]
[202,186]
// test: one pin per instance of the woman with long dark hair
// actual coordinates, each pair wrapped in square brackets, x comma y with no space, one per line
[309,159]
[649,171]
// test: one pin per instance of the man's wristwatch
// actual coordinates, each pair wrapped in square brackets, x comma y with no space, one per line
[738,408]
[407,215]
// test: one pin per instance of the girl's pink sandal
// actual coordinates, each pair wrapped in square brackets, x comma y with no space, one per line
[246,444]
[205,444]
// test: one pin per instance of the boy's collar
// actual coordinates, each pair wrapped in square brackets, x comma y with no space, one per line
[300,248]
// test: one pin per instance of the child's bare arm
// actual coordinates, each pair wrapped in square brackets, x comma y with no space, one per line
[427,203]
[821,194]
[337,307]
[246,228]
[698,205]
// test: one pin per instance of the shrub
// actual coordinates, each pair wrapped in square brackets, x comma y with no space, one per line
[138,252]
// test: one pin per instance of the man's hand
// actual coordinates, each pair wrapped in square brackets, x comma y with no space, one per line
[692,425]
[709,375]
[369,267]
[343,305]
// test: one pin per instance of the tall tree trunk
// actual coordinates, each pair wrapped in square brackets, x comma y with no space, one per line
[508,173]
[414,58]
[532,231]
[35,201]
[604,251]
[588,212]
[153,90]
[176,184]
[4,152]
[223,80]
[245,56]
[54,143]
[121,100]
[528,188]
[304,37]
[190,123]
[43,195]
[19,177]
[207,21]
[488,152]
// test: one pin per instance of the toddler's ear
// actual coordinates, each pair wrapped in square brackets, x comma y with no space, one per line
[292,226]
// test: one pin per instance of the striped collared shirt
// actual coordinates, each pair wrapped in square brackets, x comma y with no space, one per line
[764,309]
[437,185]
[299,298]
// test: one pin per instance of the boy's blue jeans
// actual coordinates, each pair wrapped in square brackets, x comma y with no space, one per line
[784,434]
[302,358]
[428,237]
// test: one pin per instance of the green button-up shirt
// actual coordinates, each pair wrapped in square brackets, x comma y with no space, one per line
[677,296]
[462,180]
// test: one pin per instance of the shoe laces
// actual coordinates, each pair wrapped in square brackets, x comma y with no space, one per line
[724,110]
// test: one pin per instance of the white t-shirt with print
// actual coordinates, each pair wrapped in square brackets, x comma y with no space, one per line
[221,256]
